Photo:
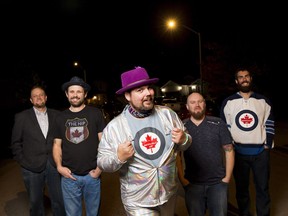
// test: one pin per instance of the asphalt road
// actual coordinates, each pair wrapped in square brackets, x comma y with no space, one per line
[14,201]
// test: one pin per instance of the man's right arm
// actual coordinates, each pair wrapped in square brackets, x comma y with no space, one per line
[16,138]
[57,152]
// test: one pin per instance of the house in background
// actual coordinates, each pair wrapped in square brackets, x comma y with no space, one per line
[172,90]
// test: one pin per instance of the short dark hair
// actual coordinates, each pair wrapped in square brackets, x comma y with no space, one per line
[38,86]
[242,69]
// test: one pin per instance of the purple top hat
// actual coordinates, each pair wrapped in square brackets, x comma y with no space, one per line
[135,78]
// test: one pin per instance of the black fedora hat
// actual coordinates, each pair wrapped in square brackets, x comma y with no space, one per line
[76,81]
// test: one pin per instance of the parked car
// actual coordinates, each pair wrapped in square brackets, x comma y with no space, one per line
[178,107]
[172,103]
[183,112]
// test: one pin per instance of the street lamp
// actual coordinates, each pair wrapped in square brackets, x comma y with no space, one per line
[172,25]
[76,64]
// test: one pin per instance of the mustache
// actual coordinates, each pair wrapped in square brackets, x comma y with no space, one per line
[148,98]
[75,97]
[245,82]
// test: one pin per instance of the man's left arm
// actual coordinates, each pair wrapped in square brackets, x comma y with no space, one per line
[229,161]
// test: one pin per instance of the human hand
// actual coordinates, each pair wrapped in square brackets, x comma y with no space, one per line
[125,151]
[178,136]
[226,180]
[65,172]
[95,173]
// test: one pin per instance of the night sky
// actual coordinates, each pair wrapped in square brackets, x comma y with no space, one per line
[40,40]
[110,37]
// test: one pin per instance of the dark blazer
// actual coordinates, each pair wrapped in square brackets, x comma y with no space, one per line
[28,144]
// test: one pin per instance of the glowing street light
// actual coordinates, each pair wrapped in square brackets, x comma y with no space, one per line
[76,64]
[171,24]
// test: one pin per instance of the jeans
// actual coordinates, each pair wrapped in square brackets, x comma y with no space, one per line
[260,166]
[199,198]
[35,185]
[85,187]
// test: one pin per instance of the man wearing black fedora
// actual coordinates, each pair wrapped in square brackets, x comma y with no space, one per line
[77,134]
[142,143]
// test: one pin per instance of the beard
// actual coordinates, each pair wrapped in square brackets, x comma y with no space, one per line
[146,106]
[198,115]
[39,106]
[144,109]
[244,89]
[76,103]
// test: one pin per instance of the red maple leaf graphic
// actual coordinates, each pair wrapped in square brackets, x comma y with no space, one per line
[76,133]
[246,119]
[149,143]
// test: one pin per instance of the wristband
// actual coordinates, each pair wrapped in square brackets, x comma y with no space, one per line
[187,138]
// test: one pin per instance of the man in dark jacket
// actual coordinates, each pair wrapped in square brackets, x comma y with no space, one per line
[31,145]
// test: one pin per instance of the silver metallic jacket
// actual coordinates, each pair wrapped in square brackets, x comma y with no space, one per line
[142,184]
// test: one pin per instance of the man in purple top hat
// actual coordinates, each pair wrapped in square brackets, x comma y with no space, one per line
[142,144]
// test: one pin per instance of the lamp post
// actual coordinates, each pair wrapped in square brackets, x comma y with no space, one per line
[76,64]
[172,24]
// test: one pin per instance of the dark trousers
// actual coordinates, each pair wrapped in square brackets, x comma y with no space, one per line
[35,185]
[214,198]
[260,167]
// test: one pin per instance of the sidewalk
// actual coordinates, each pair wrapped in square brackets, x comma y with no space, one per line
[278,186]
[278,178]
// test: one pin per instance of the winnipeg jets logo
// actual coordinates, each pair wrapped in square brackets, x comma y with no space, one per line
[149,143]
[246,120]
